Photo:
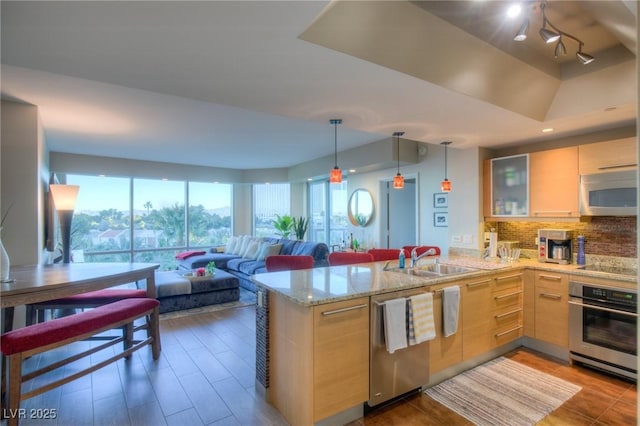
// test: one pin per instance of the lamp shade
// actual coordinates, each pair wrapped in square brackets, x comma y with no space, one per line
[335,176]
[585,58]
[549,36]
[445,185]
[64,196]
[398,181]
[522,32]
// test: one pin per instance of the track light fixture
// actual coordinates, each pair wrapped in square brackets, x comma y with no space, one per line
[554,35]
[335,176]
[398,180]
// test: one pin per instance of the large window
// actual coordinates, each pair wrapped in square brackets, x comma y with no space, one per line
[269,200]
[328,207]
[113,212]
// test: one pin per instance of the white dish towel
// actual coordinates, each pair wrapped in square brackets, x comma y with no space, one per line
[424,327]
[395,324]
[450,309]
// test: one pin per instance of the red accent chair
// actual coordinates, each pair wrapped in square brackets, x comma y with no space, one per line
[281,262]
[421,249]
[348,258]
[387,254]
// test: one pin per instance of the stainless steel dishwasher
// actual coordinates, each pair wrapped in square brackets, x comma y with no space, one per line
[394,374]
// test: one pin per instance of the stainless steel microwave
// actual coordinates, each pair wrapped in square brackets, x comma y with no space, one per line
[609,194]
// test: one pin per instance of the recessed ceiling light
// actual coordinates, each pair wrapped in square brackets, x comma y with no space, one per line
[352,170]
[309,179]
[547,130]
[514,10]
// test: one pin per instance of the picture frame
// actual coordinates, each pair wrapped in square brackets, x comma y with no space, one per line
[440,200]
[441,219]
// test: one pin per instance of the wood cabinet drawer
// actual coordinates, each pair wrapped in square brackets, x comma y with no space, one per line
[340,356]
[506,319]
[551,301]
[502,337]
[507,282]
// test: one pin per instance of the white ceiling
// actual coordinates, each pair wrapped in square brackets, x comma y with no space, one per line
[231,84]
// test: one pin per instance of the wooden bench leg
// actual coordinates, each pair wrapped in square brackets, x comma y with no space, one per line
[154,329]
[127,332]
[14,382]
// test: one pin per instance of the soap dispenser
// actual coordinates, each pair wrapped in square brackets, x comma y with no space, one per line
[401,259]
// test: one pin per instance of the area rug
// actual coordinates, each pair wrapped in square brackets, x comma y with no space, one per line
[503,392]
[247,298]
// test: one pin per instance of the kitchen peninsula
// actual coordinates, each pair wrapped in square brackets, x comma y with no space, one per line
[313,333]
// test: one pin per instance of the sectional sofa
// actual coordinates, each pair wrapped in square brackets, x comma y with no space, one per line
[244,256]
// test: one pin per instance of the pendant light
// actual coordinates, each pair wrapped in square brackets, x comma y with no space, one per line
[335,176]
[445,185]
[398,180]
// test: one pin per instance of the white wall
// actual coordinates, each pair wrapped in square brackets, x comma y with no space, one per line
[465,200]
[24,178]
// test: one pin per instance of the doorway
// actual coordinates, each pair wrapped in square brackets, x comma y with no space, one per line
[399,214]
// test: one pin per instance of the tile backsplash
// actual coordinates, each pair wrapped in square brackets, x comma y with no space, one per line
[604,235]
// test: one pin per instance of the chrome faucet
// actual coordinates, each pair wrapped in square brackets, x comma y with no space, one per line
[415,257]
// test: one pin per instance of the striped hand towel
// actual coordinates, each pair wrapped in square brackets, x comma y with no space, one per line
[423,325]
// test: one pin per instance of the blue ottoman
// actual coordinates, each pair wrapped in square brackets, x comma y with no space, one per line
[176,292]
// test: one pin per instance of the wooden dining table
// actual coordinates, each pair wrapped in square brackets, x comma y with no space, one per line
[38,283]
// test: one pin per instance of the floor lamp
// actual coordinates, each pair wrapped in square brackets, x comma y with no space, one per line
[64,199]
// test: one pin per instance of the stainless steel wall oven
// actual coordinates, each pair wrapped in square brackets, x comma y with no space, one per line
[602,327]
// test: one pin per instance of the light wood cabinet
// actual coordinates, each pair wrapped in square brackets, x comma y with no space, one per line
[444,351]
[509,186]
[492,312]
[554,183]
[340,356]
[552,308]
[319,361]
[529,306]
[477,322]
[602,157]
[507,294]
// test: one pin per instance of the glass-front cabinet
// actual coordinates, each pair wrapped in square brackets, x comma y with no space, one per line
[510,186]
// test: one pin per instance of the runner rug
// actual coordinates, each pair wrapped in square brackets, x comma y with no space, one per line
[503,392]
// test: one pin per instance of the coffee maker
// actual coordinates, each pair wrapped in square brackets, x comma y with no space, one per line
[554,245]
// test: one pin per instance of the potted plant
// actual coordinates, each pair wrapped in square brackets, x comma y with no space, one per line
[211,268]
[300,225]
[283,225]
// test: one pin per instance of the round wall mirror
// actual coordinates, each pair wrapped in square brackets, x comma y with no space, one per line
[360,207]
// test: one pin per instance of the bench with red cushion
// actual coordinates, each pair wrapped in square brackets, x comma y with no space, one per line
[19,344]
[90,299]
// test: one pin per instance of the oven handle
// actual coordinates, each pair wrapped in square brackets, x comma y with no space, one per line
[600,308]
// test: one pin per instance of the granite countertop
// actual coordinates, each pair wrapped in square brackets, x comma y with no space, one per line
[317,286]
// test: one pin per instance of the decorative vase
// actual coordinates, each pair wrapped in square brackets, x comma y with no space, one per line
[4,263]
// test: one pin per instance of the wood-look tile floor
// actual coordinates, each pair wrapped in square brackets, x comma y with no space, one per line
[205,376]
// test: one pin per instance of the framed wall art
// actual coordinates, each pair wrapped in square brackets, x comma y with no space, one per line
[441,219]
[440,199]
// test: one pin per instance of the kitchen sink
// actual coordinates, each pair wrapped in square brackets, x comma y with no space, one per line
[433,270]
[444,269]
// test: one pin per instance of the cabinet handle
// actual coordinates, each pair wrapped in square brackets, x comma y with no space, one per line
[550,277]
[600,308]
[506,314]
[508,331]
[618,166]
[509,277]
[551,296]
[504,296]
[477,283]
[350,308]
[555,212]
